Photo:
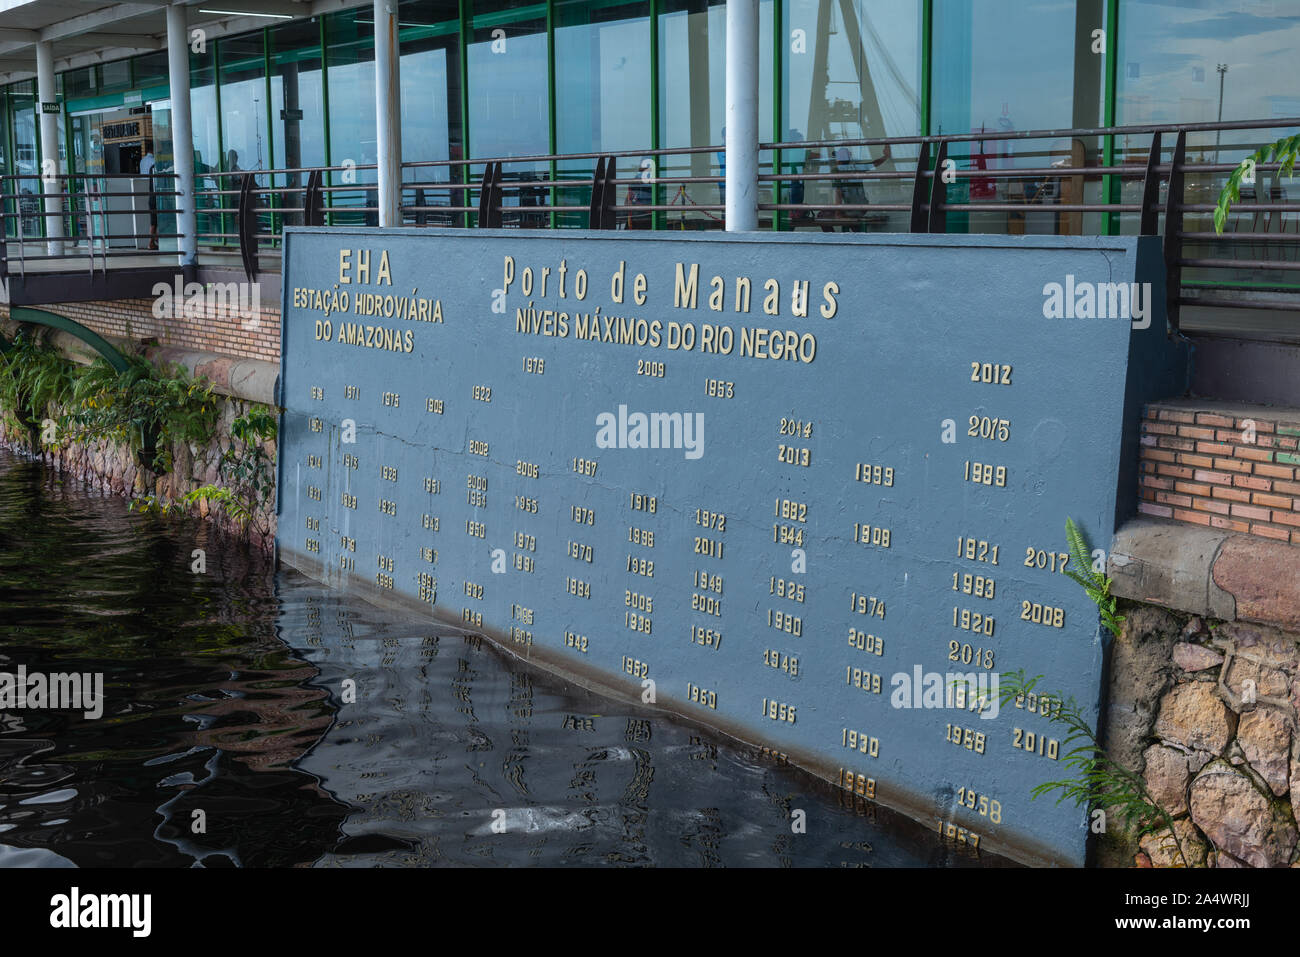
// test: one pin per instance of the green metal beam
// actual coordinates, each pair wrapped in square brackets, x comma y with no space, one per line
[465,171]
[927,40]
[1110,185]
[551,133]
[778,119]
[657,220]
[91,338]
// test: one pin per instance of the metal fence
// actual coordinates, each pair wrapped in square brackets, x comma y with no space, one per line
[1142,180]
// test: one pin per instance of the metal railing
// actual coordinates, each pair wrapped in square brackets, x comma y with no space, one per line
[98,215]
[1087,181]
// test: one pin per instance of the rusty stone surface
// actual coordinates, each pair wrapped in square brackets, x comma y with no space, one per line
[1162,851]
[1239,819]
[1263,577]
[1191,657]
[1265,739]
[1166,777]
[1193,716]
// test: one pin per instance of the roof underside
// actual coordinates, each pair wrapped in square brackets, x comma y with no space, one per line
[84,32]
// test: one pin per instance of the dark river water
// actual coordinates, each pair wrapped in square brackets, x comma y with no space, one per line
[227,738]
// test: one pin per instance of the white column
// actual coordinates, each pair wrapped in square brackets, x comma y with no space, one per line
[388,115]
[50,166]
[178,77]
[742,116]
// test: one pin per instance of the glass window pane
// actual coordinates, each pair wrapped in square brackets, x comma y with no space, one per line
[116,75]
[351,40]
[431,106]
[151,70]
[297,106]
[1192,63]
[207,141]
[1002,65]
[83,82]
[22,103]
[243,103]
[852,71]
[509,109]
[692,103]
[602,97]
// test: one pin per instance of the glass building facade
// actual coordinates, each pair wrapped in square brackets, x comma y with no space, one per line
[509,78]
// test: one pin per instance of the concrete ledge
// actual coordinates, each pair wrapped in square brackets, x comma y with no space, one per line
[250,379]
[1207,572]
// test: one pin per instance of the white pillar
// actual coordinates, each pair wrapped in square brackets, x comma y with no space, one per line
[742,116]
[46,93]
[388,115]
[178,77]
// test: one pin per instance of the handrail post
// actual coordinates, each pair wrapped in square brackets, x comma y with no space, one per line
[1151,190]
[609,195]
[1174,230]
[246,225]
[919,219]
[594,216]
[313,213]
[937,220]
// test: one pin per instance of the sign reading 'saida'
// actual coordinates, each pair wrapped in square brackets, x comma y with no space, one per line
[813,493]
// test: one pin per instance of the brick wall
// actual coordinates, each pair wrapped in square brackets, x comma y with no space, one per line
[1224,465]
[213,331]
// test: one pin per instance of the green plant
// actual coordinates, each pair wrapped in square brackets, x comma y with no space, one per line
[1101,782]
[32,378]
[247,468]
[153,505]
[1285,152]
[1095,583]
[146,407]
[230,503]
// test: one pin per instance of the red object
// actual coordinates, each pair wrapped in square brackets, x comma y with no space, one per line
[982,187]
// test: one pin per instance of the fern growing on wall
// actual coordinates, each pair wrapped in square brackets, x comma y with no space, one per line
[1095,583]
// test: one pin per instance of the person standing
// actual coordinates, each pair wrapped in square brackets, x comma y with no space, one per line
[147,167]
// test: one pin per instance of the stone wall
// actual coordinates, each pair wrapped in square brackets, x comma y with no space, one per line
[114,468]
[1204,708]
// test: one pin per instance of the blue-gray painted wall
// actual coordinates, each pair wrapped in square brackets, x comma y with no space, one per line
[912,313]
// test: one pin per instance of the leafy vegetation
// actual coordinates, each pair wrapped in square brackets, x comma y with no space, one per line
[1095,583]
[1101,783]
[32,378]
[1285,151]
[247,470]
[146,407]
[149,409]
